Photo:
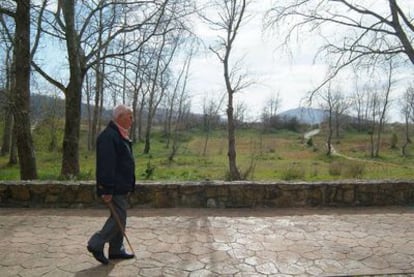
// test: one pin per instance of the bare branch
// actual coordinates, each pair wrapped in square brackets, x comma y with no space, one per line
[7,12]
[39,24]
[368,35]
[48,77]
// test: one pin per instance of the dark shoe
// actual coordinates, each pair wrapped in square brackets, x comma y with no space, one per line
[98,255]
[122,255]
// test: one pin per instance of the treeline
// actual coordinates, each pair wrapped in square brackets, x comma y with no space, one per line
[102,53]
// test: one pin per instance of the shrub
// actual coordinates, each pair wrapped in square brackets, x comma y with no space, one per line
[293,172]
[354,169]
[149,170]
[335,168]
[394,141]
[309,142]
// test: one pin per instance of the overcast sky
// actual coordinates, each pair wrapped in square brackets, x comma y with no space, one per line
[271,68]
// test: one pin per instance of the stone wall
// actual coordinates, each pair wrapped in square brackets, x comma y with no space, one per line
[214,194]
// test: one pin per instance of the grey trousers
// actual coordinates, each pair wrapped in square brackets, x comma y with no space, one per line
[110,232]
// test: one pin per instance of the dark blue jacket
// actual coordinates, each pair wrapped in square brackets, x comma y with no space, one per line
[115,165]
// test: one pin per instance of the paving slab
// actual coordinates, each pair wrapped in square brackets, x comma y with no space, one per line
[214,242]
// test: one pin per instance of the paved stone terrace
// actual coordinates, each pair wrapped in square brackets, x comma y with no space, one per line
[211,242]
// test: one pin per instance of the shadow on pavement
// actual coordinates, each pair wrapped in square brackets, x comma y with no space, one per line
[96,271]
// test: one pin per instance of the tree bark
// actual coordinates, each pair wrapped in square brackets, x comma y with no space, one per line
[7,131]
[73,93]
[8,112]
[21,95]
[234,171]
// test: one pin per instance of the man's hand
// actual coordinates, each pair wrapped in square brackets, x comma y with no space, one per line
[107,198]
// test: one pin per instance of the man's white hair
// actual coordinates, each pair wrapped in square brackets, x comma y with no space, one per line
[120,110]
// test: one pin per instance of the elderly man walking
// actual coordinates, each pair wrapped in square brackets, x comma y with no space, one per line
[115,179]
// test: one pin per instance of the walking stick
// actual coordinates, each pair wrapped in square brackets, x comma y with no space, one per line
[118,221]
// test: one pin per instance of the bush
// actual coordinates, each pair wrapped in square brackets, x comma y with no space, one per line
[394,141]
[349,169]
[293,172]
[354,169]
[335,168]
[309,142]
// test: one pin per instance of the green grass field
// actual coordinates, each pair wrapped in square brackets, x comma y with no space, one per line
[273,156]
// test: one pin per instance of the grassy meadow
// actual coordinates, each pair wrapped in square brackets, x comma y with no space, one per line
[270,156]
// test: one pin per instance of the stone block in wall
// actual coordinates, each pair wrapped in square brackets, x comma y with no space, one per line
[340,194]
[244,196]
[210,191]
[161,200]
[69,194]
[20,192]
[191,195]
[314,195]
[86,194]
[366,194]
[211,203]
[52,200]
[38,193]
[222,190]
[348,194]
[142,197]
[4,193]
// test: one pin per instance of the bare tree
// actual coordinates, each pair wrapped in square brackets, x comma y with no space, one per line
[74,23]
[175,102]
[160,81]
[166,48]
[231,14]
[363,33]
[240,112]
[6,44]
[99,74]
[211,109]
[20,86]
[270,110]
[334,102]
[342,105]
[358,102]
[182,108]
[378,104]
[136,83]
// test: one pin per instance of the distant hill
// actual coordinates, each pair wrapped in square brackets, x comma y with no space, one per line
[309,116]
[42,106]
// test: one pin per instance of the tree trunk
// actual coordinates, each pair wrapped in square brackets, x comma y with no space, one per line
[407,136]
[371,139]
[70,159]
[147,146]
[134,115]
[21,95]
[330,132]
[97,105]
[234,171]
[73,93]
[12,154]
[206,138]
[140,119]
[8,111]
[7,132]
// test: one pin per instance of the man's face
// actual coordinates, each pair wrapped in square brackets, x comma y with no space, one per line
[125,120]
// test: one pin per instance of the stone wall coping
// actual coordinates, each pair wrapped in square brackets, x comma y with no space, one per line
[218,182]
